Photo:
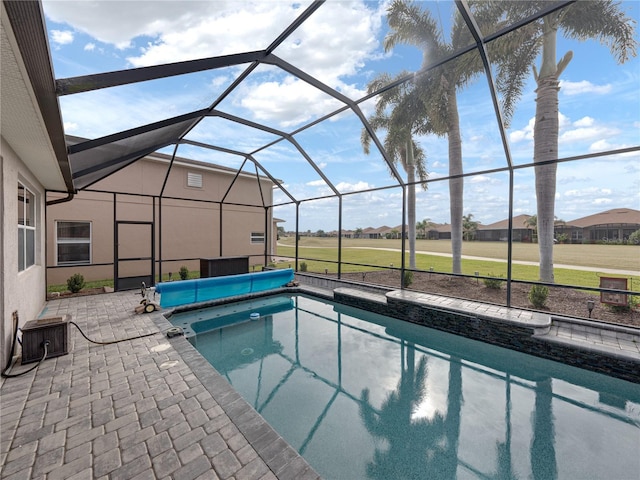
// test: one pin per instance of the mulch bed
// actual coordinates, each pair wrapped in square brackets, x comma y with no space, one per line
[562,301]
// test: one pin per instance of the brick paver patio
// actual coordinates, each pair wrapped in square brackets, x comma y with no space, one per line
[140,409]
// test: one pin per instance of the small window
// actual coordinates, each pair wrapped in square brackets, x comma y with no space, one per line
[73,243]
[194,180]
[26,228]
[257,237]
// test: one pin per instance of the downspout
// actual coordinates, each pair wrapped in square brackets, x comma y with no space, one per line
[68,198]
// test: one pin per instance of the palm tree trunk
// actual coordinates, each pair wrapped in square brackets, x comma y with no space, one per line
[456,185]
[411,204]
[546,148]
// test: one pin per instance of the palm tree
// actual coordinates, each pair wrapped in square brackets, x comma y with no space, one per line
[438,88]
[415,446]
[394,113]
[601,20]
[469,227]
[424,227]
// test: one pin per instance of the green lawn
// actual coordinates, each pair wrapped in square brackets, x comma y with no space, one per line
[319,253]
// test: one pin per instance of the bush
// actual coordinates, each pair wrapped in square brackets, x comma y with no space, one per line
[408,278]
[184,272]
[632,304]
[494,283]
[75,283]
[634,238]
[303,266]
[538,295]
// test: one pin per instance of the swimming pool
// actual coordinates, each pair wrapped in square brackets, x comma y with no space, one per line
[360,395]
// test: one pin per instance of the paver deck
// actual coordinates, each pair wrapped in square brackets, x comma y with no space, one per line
[139,409]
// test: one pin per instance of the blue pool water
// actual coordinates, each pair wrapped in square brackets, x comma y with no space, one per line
[362,396]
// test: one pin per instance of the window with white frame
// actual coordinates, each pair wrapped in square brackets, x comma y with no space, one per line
[73,243]
[26,228]
[257,237]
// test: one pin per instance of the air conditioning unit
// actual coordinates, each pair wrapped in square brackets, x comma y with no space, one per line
[35,332]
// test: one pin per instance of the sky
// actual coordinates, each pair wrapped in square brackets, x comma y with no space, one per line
[341,45]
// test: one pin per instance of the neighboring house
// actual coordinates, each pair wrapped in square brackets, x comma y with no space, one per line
[499,231]
[33,159]
[205,211]
[611,225]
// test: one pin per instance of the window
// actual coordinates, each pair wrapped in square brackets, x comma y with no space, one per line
[26,228]
[257,237]
[73,243]
[194,180]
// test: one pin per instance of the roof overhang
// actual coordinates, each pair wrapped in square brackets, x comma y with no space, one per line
[31,122]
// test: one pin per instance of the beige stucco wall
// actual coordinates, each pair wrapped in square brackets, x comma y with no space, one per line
[187,229]
[22,292]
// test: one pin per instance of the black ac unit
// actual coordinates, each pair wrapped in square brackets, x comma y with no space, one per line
[35,332]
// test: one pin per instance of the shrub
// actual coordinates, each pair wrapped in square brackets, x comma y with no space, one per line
[408,278]
[184,272]
[632,304]
[75,283]
[538,295]
[634,238]
[494,283]
[303,266]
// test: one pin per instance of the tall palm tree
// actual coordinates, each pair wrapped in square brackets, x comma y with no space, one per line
[602,20]
[395,113]
[438,88]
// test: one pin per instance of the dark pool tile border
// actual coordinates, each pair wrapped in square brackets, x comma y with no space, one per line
[282,459]
[528,333]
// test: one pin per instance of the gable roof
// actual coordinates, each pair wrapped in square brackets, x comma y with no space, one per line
[615,216]
[519,221]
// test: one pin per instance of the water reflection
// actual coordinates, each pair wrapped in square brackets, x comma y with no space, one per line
[382,399]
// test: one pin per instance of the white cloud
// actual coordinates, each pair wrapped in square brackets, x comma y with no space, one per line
[316,183]
[525,133]
[70,127]
[118,23]
[353,187]
[62,37]
[579,88]
[584,122]
[90,47]
[586,134]
[589,192]
[281,101]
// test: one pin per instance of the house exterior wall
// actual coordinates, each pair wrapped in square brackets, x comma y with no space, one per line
[185,230]
[22,292]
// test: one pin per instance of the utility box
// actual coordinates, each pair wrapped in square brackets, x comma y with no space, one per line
[221,266]
[35,332]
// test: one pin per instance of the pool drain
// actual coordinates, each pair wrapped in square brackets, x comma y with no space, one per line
[246,351]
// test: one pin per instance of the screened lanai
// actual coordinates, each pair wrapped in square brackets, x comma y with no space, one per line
[405,117]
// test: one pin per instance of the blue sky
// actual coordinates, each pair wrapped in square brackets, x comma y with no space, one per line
[341,44]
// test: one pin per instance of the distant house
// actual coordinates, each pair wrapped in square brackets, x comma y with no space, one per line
[611,225]
[371,232]
[499,231]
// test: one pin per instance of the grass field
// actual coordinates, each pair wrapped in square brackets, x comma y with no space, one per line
[320,253]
